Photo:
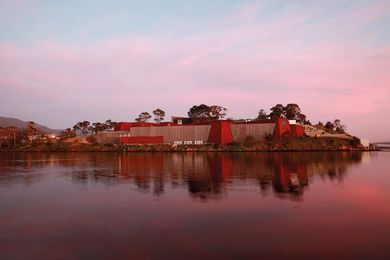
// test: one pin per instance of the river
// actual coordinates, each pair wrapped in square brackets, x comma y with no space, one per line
[195,205]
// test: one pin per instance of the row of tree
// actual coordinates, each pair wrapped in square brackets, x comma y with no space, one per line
[290,111]
[12,136]
[293,112]
[86,128]
[204,112]
[158,114]
[334,127]
[200,112]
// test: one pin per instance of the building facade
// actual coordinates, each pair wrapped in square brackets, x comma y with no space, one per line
[214,132]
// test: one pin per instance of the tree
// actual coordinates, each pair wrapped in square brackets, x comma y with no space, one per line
[98,127]
[278,111]
[330,126]
[84,127]
[143,117]
[31,131]
[262,115]
[301,118]
[158,115]
[217,112]
[67,133]
[292,111]
[10,136]
[335,127]
[205,112]
[109,124]
[338,127]
[201,111]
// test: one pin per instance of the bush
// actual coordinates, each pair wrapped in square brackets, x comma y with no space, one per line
[355,141]
[235,145]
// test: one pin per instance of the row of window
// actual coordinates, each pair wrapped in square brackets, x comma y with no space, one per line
[187,142]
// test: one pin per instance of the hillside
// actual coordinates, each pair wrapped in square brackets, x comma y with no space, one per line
[8,121]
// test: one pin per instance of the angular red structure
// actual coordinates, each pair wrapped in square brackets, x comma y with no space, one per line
[220,132]
[297,130]
[282,128]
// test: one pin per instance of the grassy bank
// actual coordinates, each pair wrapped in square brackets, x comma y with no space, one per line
[290,144]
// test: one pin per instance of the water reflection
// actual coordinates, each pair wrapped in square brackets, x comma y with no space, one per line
[204,175]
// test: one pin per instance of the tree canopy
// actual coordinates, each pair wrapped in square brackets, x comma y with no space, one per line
[262,115]
[159,115]
[290,111]
[205,112]
[335,127]
[143,117]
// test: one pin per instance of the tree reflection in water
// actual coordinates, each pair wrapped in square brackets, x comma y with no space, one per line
[205,175]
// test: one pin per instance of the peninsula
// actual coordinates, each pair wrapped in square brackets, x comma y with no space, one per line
[285,128]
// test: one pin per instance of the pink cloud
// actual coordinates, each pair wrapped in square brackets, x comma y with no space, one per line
[244,67]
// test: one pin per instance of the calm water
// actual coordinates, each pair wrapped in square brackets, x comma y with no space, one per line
[195,205]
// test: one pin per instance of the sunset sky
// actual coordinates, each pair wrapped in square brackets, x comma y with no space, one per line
[66,61]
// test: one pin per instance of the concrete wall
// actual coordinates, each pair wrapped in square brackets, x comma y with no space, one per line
[175,133]
[109,137]
[313,131]
[257,131]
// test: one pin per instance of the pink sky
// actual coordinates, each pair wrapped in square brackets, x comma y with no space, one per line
[252,56]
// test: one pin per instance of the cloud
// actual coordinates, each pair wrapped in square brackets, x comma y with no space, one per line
[248,61]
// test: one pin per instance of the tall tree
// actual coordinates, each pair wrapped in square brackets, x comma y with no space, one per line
[158,115]
[109,124]
[31,131]
[278,111]
[262,115]
[201,111]
[83,127]
[217,112]
[330,126]
[205,112]
[143,117]
[292,111]
[67,133]
[98,127]
[338,127]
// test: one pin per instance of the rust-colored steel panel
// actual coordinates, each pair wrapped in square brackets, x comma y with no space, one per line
[257,131]
[109,137]
[175,133]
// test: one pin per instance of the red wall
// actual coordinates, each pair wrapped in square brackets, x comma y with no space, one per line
[220,132]
[297,130]
[141,140]
[282,128]
[125,126]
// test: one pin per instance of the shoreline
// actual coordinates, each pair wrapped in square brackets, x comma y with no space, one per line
[304,144]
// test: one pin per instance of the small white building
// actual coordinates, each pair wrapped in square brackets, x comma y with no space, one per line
[365,143]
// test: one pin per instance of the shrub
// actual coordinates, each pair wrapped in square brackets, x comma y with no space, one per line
[355,141]
[235,145]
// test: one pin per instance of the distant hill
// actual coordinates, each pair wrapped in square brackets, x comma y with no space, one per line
[8,121]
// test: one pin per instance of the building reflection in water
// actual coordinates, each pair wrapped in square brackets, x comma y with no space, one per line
[204,175]
[210,175]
